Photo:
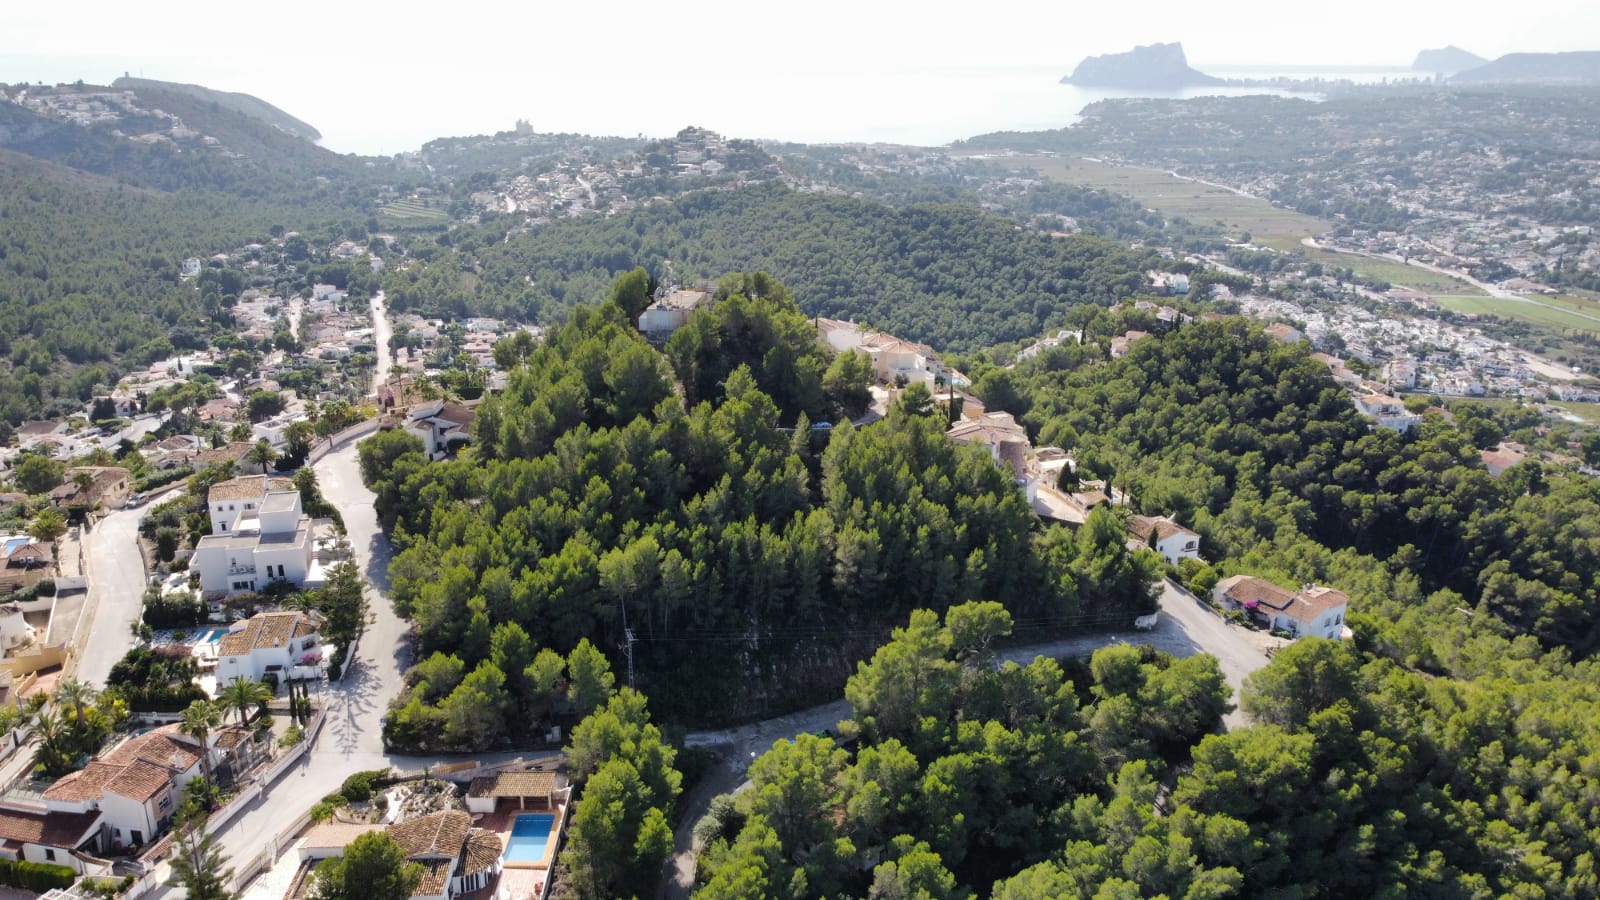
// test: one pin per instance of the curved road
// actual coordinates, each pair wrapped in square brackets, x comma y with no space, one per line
[1186,627]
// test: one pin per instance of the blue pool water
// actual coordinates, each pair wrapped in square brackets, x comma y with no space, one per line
[529,837]
[211,636]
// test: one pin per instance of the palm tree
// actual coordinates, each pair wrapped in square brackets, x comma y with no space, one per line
[199,720]
[263,454]
[243,693]
[50,733]
[76,694]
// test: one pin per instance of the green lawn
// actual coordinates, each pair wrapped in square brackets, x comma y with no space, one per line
[1531,313]
[1269,226]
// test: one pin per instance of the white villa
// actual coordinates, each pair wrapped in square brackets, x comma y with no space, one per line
[258,535]
[266,642]
[1166,537]
[1312,610]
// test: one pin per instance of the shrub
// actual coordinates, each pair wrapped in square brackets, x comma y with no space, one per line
[36,877]
[334,670]
[292,736]
[358,787]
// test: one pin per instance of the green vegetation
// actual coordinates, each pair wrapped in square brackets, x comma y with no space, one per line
[620,834]
[35,876]
[1183,198]
[948,275]
[963,772]
[594,497]
[158,680]
[1249,442]
[89,282]
[1535,311]
[373,867]
[413,213]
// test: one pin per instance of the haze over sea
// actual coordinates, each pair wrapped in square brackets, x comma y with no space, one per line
[929,107]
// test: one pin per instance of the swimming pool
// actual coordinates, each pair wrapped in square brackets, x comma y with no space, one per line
[211,636]
[530,837]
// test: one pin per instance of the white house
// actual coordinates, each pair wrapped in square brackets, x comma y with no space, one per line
[48,836]
[441,426]
[1006,441]
[266,642]
[1312,610]
[661,318]
[1387,412]
[1166,537]
[258,535]
[135,787]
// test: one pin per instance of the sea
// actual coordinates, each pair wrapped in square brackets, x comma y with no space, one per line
[932,106]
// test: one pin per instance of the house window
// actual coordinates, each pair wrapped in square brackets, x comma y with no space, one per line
[49,854]
[224,525]
[166,802]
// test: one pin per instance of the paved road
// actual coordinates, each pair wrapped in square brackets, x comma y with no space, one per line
[381,332]
[116,593]
[1186,628]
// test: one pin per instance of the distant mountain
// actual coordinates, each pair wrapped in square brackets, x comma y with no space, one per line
[1155,67]
[1447,60]
[1581,67]
[254,107]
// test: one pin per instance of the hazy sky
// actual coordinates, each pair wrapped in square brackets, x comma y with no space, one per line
[472,66]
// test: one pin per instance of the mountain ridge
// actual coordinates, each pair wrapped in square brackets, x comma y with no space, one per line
[1573,67]
[247,104]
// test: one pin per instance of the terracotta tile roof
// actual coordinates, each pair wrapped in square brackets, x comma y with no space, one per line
[432,835]
[1311,603]
[435,874]
[162,746]
[141,781]
[513,784]
[1244,589]
[51,829]
[85,784]
[1141,526]
[481,852]
[248,487]
[234,453]
[265,630]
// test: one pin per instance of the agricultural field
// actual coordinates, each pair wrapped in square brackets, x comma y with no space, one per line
[1395,273]
[1532,312]
[1236,213]
[412,211]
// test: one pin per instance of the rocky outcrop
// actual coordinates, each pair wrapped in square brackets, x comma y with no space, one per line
[1154,67]
[1447,60]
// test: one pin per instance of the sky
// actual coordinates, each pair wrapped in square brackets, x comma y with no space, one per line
[382,77]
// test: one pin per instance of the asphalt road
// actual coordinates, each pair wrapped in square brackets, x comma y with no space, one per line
[117,580]
[1186,627]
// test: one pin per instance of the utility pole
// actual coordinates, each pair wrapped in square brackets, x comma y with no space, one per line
[627,635]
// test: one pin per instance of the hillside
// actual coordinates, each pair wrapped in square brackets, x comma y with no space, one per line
[242,103]
[948,275]
[1448,60]
[1152,67]
[174,138]
[1536,68]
